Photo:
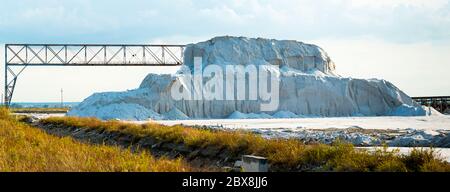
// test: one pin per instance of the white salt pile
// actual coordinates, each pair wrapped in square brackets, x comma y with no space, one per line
[308,86]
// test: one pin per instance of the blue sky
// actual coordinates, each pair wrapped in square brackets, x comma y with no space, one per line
[137,20]
[391,39]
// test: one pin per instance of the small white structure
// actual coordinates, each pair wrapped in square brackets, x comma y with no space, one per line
[252,163]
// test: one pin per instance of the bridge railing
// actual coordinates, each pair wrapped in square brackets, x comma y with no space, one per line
[440,103]
[93,54]
[26,55]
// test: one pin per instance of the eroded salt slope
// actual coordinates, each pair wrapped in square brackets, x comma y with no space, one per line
[309,86]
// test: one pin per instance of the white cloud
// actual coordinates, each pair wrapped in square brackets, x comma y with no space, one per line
[178,39]
[224,14]
[428,4]
[416,68]
[409,34]
[284,18]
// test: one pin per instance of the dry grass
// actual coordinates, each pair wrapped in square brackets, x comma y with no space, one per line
[24,148]
[287,153]
[39,110]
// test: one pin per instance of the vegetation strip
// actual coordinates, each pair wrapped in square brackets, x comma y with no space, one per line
[39,110]
[283,154]
[24,148]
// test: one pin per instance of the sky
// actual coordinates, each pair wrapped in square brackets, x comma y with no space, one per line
[406,42]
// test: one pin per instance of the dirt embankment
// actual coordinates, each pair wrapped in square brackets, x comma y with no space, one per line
[215,150]
[211,158]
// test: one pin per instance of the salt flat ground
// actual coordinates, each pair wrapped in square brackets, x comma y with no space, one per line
[443,152]
[438,122]
[435,122]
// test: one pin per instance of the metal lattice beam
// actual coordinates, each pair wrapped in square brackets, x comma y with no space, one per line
[440,103]
[27,55]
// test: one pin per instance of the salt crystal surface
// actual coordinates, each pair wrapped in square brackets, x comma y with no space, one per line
[309,86]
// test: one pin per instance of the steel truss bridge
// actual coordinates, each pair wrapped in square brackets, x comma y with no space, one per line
[440,103]
[20,56]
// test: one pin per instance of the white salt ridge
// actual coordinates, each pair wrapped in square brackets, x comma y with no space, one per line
[279,114]
[411,138]
[302,57]
[308,86]
[122,111]
[430,111]
[239,115]
[406,110]
[358,139]
[285,114]
[175,114]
